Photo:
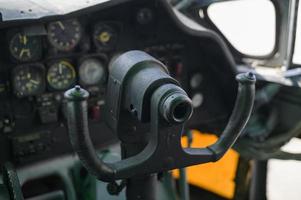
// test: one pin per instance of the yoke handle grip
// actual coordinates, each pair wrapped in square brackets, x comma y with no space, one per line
[77,119]
[80,138]
[239,117]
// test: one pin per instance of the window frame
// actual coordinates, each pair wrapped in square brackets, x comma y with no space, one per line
[281,56]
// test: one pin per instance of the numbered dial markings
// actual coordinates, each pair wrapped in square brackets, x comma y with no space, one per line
[25,48]
[28,80]
[61,75]
[64,35]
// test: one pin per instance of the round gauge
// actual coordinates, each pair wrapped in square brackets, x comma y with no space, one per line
[197,100]
[144,16]
[196,80]
[25,48]
[64,35]
[61,75]
[28,80]
[104,37]
[91,72]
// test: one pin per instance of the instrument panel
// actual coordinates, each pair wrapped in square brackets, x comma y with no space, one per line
[34,73]
[39,61]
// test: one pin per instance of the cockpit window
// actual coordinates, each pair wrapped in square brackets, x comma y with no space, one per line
[249,25]
[35,9]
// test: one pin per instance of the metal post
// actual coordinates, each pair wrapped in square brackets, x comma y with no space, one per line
[139,187]
[259,180]
[184,187]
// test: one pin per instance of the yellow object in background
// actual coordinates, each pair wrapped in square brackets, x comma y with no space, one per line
[215,177]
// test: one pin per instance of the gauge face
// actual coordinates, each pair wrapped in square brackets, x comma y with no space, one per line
[197,100]
[28,80]
[64,35]
[104,37]
[91,72]
[61,75]
[196,80]
[25,48]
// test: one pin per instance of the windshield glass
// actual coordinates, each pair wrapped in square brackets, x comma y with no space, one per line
[34,9]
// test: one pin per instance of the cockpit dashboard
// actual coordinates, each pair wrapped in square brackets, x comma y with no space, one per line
[41,58]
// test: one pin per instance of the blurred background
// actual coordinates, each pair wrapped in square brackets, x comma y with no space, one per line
[250,27]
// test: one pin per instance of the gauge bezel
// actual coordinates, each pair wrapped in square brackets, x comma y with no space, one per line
[103,60]
[42,71]
[70,64]
[55,44]
[11,34]
[114,27]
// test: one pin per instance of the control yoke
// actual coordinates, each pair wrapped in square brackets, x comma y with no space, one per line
[144,104]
